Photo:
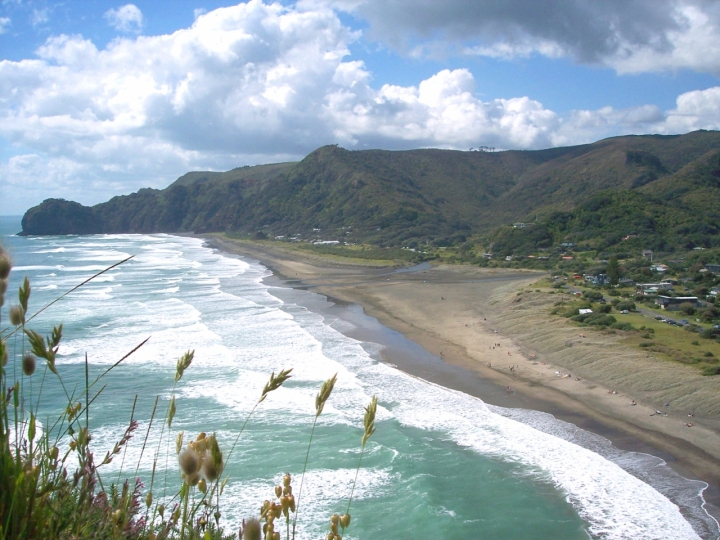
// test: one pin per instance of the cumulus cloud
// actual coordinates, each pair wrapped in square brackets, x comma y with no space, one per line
[127,18]
[256,83]
[628,35]
[441,111]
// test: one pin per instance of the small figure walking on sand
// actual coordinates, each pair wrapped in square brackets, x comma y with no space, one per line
[633,402]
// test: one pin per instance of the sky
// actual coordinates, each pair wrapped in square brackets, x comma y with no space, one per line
[101,98]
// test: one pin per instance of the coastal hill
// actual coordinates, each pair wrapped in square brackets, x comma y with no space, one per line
[665,189]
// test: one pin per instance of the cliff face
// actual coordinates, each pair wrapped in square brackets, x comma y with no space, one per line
[58,216]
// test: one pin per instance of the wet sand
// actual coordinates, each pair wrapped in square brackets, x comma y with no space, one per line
[488,339]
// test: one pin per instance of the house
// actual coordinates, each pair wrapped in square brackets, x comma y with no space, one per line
[567,258]
[600,279]
[326,242]
[487,255]
[585,311]
[660,268]
[567,245]
[519,225]
[577,276]
[673,303]
[648,254]
[714,268]
[714,291]
[652,288]
[625,282]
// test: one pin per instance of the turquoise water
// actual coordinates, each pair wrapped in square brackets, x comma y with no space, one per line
[442,464]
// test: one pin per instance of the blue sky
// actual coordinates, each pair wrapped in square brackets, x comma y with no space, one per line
[100,98]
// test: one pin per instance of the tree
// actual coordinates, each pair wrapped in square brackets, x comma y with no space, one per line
[613,270]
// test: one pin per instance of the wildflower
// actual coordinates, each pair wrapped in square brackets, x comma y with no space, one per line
[28,364]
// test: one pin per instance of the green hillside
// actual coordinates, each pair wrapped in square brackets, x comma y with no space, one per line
[661,191]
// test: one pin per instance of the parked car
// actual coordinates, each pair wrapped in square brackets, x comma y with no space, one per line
[684,321]
[624,312]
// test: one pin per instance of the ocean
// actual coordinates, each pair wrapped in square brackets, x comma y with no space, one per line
[441,464]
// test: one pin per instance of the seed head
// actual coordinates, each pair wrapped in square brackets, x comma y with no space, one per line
[17,315]
[286,480]
[171,411]
[325,391]
[192,480]
[5,265]
[183,363]
[369,420]
[189,462]
[178,442]
[275,382]
[210,470]
[252,530]
[28,364]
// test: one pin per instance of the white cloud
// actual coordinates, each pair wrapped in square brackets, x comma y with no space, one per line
[627,35]
[249,84]
[39,16]
[441,111]
[127,18]
[5,22]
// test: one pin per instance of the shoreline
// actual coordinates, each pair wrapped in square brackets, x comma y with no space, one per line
[449,313]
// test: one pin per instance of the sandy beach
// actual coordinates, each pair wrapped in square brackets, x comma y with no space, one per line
[477,319]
